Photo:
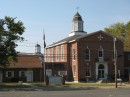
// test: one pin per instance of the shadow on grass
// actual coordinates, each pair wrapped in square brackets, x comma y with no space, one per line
[41,87]
[59,87]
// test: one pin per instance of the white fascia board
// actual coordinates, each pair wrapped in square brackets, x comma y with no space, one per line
[56,44]
[72,41]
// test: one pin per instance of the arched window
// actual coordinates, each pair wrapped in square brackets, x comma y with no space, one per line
[62,52]
[100,52]
[101,71]
[57,53]
[101,66]
[74,54]
[88,70]
[87,54]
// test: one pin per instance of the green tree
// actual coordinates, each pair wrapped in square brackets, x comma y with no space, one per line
[122,31]
[127,37]
[10,32]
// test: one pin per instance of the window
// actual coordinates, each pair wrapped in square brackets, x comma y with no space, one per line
[101,71]
[22,74]
[100,52]
[57,53]
[74,54]
[61,73]
[52,54]
[87,54]
[74,70]
[48,55]
[9,74]
[62,52]
[88,70]
[129,57]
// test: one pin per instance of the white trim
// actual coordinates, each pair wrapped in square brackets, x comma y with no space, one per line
[105,69]
[77,33]
[48,72]
[74,70]
[62,73]
[62,52]
[57,53]
[87,54]
[12,74]
[56,44]
[29,76]
[48,55]
[89,69]
[52,49]
[72,41]
[73,54]
[101,59]
[20,73]
[75,81]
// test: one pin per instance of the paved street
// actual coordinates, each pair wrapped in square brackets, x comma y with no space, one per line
[121,92]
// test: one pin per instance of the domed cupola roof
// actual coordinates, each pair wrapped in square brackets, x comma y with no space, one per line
[77,17]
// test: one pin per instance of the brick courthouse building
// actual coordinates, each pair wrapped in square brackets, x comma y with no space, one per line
[82,55]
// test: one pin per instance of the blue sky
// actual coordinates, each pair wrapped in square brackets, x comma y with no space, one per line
[55,17]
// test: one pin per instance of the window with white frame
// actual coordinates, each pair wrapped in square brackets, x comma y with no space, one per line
[9,74]
[52,54]
[74,54]
[57,53]
[87,54]
[48,53]
[74,70]
[22,73]
[61,73]
[62,52]
[88,70]
[100,52]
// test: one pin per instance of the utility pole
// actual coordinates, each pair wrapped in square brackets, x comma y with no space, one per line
[115,59]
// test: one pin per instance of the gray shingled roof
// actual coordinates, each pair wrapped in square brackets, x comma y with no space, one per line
[66,40]
[77,37]
[77,17]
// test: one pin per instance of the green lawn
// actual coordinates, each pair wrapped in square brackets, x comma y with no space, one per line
[13,85]
[71,85]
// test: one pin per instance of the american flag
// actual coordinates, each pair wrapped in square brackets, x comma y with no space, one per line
[44,39]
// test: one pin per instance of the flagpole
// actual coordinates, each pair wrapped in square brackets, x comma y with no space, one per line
[44,67]
[44,57]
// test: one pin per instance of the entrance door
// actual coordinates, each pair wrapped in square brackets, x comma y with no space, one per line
[101,71]
[29,76]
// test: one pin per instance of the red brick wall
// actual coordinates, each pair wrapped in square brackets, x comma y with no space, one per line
[93,43]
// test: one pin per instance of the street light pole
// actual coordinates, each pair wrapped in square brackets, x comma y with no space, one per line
[115,59]
[44,66]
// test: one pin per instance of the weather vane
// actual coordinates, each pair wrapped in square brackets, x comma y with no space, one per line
[77,8]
